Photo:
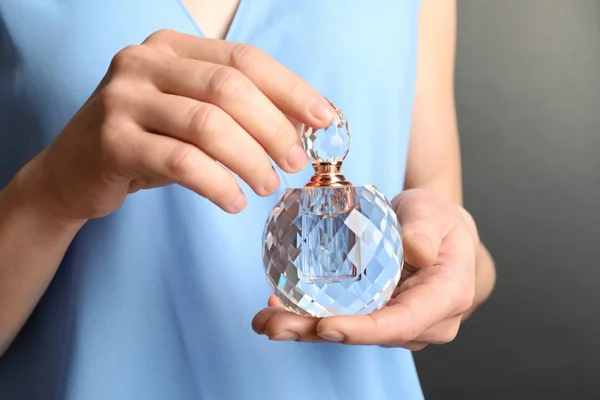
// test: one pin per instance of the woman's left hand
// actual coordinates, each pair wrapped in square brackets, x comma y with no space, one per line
[437,287]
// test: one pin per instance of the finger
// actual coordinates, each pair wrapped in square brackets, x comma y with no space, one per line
[412,346]
[220,85]
[274,301]
[277,320]
[410,314]
[163,157]
[234,93]
[259,322]
[213,131]
[442,332]
[287,90]
[283,325]
[425,221]
[145,182]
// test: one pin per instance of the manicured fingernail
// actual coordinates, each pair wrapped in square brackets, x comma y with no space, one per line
[322,111]
[297,157]
[332,336]
[240,203]
[272,182]
[285,336]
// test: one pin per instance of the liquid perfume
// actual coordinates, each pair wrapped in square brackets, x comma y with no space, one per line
[331,248]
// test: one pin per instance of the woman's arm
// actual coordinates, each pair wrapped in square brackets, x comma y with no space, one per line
[434,158]
[32,245]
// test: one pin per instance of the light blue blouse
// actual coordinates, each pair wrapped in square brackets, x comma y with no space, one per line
[155,301]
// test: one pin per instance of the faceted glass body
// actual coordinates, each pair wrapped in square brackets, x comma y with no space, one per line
[333,250]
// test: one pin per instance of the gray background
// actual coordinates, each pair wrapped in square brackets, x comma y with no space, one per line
[528,99]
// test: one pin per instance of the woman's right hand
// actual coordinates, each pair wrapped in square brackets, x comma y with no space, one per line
[171,110]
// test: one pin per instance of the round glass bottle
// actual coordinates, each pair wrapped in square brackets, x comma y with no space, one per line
[331,248]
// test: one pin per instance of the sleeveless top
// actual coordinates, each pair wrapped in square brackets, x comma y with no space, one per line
[155,301]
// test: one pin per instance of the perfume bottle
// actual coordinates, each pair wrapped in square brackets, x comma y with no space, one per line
[331,248]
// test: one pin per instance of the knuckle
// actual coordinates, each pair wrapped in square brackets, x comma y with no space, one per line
[243,55]
[426,219]
[161,36]
[399,199]
[180,161]
[420,248]
[112,97]
[411,196]
[131,57]
[417,236]
[284,130]
[225,82]
[296,88]
[115,123]
[203,118]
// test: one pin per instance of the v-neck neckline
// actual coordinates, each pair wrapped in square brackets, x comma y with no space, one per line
[232,26]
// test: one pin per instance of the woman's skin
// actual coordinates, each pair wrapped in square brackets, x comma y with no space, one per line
[221,105]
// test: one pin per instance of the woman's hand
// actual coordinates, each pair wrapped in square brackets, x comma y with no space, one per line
[436,290]
[179,109]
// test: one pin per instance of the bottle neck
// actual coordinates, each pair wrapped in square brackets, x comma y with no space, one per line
[327,174]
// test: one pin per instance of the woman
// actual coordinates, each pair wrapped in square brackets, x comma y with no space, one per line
[130,257]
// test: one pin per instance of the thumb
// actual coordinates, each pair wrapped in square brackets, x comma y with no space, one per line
[425,220]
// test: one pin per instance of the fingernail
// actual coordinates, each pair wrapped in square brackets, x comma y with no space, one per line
[297,158]
[240,203]
[332,336]
[322,111]
[285,336]
[272,182]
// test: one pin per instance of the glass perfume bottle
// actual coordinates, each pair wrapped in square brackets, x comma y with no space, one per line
[331,248]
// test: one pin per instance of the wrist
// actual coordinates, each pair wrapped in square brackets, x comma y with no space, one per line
[30,193]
